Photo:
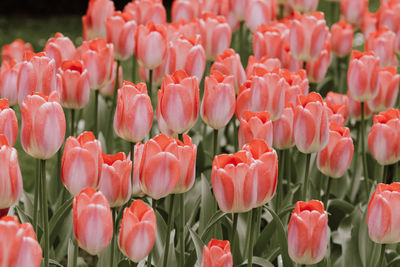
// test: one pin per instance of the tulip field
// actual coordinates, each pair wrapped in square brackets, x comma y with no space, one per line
[209,133]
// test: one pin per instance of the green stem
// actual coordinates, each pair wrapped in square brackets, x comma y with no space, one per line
[235,134]
[181,228]
[215,145]
[134,66]
[250,247]
[36,197]
[288,168]
[150,88]
[383,246]
[281,170]
[132,147]
[76,251]
[96,107]
[72,127]
[45,214]
[306,178]
[169,228]
[241,39]
[385,174]
[364,154]
[114,215]
[233,233]
[328,188]
[154,206]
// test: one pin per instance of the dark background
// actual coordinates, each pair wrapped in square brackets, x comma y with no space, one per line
[53,7]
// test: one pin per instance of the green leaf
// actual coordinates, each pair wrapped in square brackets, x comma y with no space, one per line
[342,205]
[71,247]
[282,238]
[214,219]
[198,244]
[259,261]
[208,205]
[54,262]
[25,218]
[394,262]
[159,244]
[264,238]
[368,250]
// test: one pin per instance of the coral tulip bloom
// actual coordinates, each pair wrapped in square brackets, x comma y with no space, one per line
[255,125]
[8,122]
[217,253]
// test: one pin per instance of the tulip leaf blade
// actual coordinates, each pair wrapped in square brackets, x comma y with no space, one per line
[259,261]
[198,244]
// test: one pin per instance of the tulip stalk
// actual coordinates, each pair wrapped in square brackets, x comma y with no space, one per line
[45,214]
[215,144]
[76,251]
[235,217]
[154,206]
[150,87]
[36,197]
[114,216]
[382,261]
[169,228]
[110,135]
[182,223]
[305,188]
[363,153]
[72,127]
[96,105]
[328,188]
[250,225]
[280,178]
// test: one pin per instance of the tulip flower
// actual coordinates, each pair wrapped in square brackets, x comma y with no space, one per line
[255,125]
[228,63]
[296,83]
[178,102]
[73,84]
[93,223]
[246,179]
[8,122]
[388,90]
[263,92]
[9,72]
[389,16]
[304,6]
[268,40]
[218,103]
[121,28]
[185,10]
[98,58]
[60,48]
[342,38]
[134,114]
[353,11]
[115,179]
[383,44]
[108,89]
[138,231]
[238,8]
[317,69]
[43,125]
[81,163]
[308,34]
[335,158]
[383,138]
[216,34]
[37,74]
[15,50]
[147,11]
[11,179]
[19,246]
[217,253]
[265,63]
[338,107]
[311,127]
[355,109]
[363,76]
[186,54]
[94,21]
[259,12]
[382,221]
[370,23]
[289,62]
[151,45]
[283,136]
[308,232]
[136,188]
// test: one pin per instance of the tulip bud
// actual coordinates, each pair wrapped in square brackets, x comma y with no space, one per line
[304,6]
[217,253]
[388,90]
[265,91]
[384,137]
[81,163]
[8,122]
[138,231]
[238,8]
[151,45]
[337,107]
[260,12]
[19,246]
[342,38]
[37,74]
[255,125]
[383,44]
[353,11]
[9,71]
[266,64]
[115,179]
[335,158]
[15,51]
[383,227]
[11,179]
[94,22]
[93,223]
[317,69]
[218,103]
[296,83]
[246,179]
[216,34]
[134,114]
[147,11]
[73,84]
[370,23]
[283,136]
[307,36]
[178,102]
[311,126]
[137,161]
[362,76]
[60,48]
[108,89]
[98,58]
[121,28]
[268,40]
[185,10]
[308,232]
[43,125]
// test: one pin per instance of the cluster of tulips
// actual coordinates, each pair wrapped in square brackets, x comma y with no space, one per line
[273,103]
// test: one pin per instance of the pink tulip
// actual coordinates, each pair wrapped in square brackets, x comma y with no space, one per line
[317,69]
[353,11]
[355,109]
[15,51]
[269,40]
[388,90]
[342,38]
[238,8]
[8,122]
[267,64]
[185,10]
[283,136]
[260,12]
[60,48]
[296,83]
[9,72]
[304,6]
[255,125]
[217,253]
[136,188]
[147,11]
[383,44]
[94,21]
[337,107]
[370,23]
